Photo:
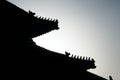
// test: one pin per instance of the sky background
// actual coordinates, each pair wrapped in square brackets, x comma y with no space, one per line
[87,28]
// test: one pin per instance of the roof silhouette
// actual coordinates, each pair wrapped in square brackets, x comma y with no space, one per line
[22,57]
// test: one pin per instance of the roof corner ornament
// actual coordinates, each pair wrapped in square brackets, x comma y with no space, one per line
[31,13]
[67,53]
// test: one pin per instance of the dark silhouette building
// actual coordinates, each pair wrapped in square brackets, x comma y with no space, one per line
[21,57]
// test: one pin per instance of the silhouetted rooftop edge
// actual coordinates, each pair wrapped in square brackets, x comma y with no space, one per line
[21,54]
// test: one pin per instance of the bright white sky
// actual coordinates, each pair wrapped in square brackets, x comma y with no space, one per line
[87,28]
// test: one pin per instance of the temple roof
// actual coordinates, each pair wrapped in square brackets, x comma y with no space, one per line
[21,53]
